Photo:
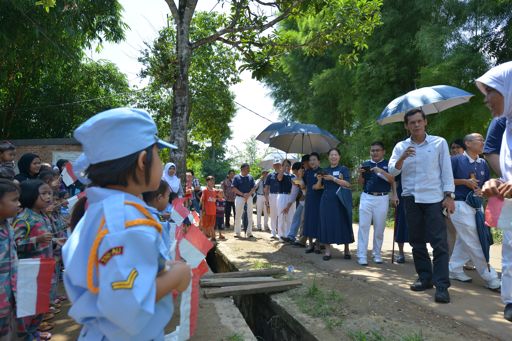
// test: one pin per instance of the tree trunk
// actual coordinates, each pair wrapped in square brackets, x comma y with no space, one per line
[181,95]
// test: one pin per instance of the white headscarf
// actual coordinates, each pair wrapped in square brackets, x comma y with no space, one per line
[173,181]
[500,78]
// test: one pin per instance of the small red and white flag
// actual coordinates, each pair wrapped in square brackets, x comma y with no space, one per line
[179,213]
[33,286]
[193,217]
[74,199]
[192,247]
[498,213]
[67,174]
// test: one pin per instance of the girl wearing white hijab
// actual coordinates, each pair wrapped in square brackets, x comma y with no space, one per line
[169,175]
[496,85]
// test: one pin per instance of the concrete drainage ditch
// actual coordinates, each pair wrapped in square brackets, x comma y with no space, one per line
[268,320]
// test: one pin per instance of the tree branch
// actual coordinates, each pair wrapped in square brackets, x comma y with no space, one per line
[174,9]
[231,28]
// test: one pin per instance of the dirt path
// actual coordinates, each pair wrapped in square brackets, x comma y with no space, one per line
[375,300]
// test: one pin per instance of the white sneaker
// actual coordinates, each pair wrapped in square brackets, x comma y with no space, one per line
[362,261]
[494,284]
[460,276]
[378,259]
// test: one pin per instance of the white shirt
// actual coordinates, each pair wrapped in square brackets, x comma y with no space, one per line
[428,174]
[506,154]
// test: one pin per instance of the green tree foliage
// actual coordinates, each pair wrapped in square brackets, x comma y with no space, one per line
[420,43]
[212,72]
[251,29]
[42,65]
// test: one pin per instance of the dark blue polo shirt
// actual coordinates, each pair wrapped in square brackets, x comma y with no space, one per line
[462,168]
[285,185]
[495,135]
[373,182]
[243,183]
[272,182]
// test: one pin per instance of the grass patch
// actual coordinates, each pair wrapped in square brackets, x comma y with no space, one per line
[374,335]
[497,235]
[323,304]
[236,337]
[259,264]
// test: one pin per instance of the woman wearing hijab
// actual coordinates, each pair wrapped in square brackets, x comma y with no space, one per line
[169,175]
[496,85]
[29,166]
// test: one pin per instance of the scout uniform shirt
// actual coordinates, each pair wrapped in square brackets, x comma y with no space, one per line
[119,303]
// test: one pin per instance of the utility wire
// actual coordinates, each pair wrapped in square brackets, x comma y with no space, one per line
[252,111]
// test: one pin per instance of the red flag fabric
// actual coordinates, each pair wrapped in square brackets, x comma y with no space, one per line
[33,286]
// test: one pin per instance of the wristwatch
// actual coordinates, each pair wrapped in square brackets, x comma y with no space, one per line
[449,195]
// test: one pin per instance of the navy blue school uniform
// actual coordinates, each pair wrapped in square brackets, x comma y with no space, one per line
[495,135]
[463,168]
[333,226]
[401,235]
[312,204]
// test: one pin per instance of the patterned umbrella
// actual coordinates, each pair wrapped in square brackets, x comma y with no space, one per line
[431,100]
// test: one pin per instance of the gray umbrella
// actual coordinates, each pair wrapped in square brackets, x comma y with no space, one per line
[304,139]
[269,131]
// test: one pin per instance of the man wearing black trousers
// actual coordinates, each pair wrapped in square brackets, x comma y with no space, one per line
[428,186]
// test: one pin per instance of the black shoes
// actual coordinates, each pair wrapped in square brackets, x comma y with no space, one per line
[310,250]
[420,286]
[326,257]
[442,296]
[507,313]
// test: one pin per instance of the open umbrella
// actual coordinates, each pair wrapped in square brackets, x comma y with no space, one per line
[303,138]
[431,100]
[269,131]
[268,161]
[484,234]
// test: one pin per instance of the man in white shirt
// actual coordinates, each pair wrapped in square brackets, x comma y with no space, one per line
[428,186]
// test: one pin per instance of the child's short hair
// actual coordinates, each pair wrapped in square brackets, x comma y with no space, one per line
[6,145]
[210,177]
[117,172]
[150,196]
[173,196]
[7,186]
[29,192]
[46,176]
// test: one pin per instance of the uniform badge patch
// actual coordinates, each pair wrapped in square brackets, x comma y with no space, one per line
[128,284]
[107,256]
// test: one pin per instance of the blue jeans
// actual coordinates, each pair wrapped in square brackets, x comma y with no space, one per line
[296,221]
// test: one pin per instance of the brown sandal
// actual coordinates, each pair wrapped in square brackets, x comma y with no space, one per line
[45,326]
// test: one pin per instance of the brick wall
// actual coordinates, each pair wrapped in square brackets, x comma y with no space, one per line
[48,149]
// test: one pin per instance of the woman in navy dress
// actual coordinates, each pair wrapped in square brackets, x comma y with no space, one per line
[312,204]
[334,228]
[401,235]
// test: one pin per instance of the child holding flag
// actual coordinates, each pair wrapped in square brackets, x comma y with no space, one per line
[208,200]
[33,236]
[9,203]
[115,275]
[157,202]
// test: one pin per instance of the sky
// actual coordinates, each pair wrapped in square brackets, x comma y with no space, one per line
[145,19]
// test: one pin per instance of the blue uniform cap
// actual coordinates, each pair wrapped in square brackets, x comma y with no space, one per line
[116,133]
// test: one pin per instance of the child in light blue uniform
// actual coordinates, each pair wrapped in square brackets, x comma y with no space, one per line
[157,202]
[115,273]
